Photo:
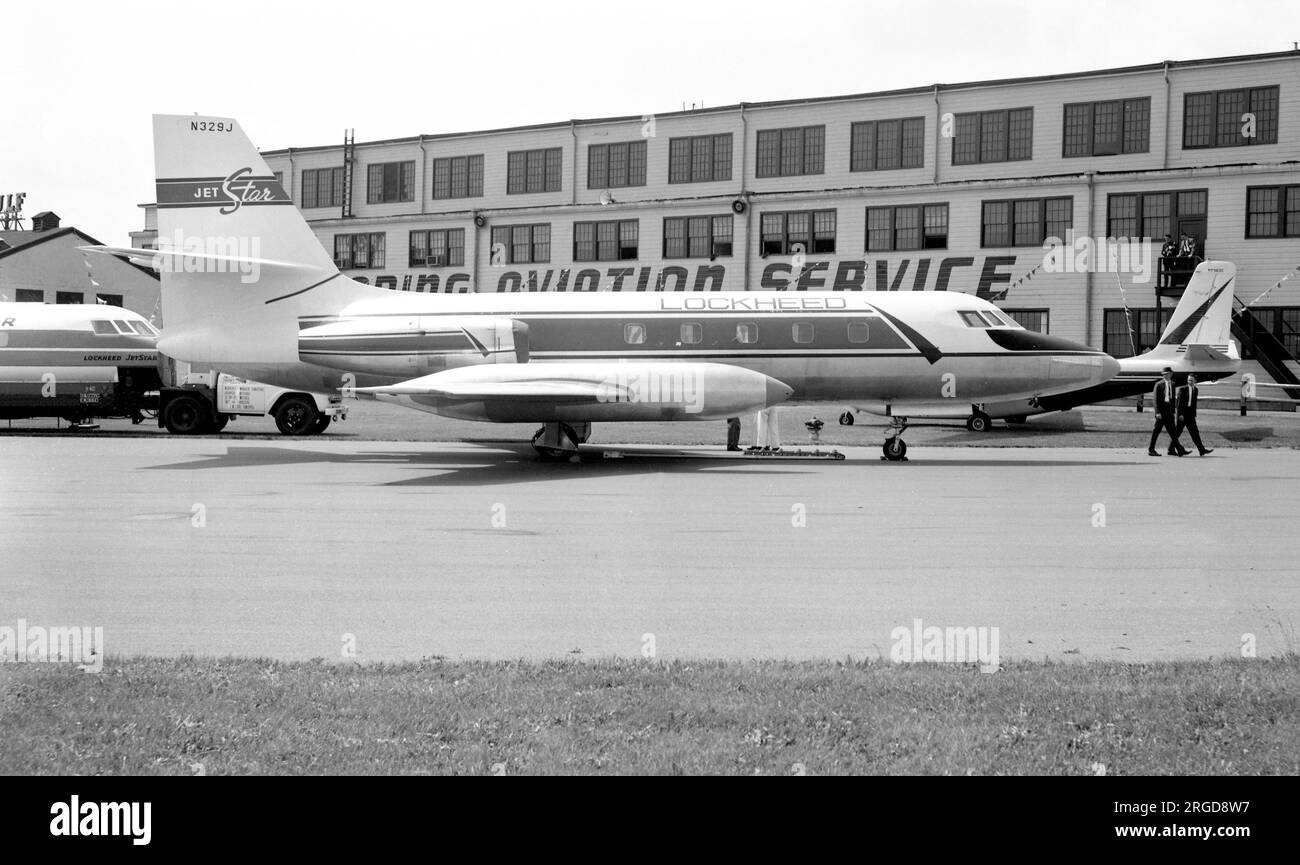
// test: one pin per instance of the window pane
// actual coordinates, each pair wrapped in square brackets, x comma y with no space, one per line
[1155,216]
[907,228]
[997,223]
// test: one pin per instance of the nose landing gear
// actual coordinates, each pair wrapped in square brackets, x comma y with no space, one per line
[559,441]
[895,449]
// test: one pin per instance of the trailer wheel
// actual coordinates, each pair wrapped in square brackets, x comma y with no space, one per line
[296,416]
[186,415]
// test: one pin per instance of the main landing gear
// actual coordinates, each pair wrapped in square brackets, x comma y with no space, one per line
[895,449]
[556,442]
[978,421]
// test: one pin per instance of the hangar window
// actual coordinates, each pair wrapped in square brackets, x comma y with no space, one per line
[879,145]
[634,334]
[458,177]
[697,236]
[1147,327]
[802,331]
[69,297]
[30,295]
[993,136]
[692,333]
[1031,319]
[390,181]
[1215,118]
[914,226]
[1025,221]
[109,299]
[1282,323]
[747,333]
[521,244]
[859,332]
[792,151]
[444,247]
[1273,211]
[615,165]
[1107,128]
[104,328]
[801,231]
[605,241]
[1155,214]
[359,251]
[322,187]
[533,170]
[699,158]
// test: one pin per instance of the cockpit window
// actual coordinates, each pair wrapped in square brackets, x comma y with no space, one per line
[972,318]
[993,319]
[104,328]
[143,328]
[124,327]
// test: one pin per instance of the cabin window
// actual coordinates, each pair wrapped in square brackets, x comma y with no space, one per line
[634,334]
[104,328]
[747,333]
[859,332]
[972,318]
[692,333]
[802,332]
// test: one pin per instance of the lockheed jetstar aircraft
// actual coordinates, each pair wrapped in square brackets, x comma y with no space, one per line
[76,361]
[285,315]
[1196,340]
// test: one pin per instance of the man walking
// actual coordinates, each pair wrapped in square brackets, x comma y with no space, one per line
[1165,400]
[1187,415]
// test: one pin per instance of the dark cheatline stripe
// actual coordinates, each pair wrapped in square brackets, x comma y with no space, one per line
[1179,333]
[928,350]
[305,290]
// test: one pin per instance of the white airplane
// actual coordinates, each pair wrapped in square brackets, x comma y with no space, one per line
[253,293]
[1197,340]
[75,361]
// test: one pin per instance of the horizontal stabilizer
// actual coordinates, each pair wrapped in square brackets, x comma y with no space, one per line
[182,261]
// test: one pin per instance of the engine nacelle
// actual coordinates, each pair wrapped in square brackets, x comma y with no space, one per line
[409,346]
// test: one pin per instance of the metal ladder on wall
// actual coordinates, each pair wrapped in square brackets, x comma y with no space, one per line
[349,145]
[1268,349]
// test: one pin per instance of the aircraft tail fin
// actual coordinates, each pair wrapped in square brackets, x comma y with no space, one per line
[238,261]
[1203,316]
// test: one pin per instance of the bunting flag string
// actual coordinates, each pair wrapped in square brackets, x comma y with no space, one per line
[1128,316]
[90,272]
[1277,284]
[1002,295]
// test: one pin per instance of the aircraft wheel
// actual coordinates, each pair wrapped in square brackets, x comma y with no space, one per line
[186,416]
[895,449]
[979,422]
[296,416]
[846,419]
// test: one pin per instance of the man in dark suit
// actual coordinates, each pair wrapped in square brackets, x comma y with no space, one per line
[1187,415]
[1165,400]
